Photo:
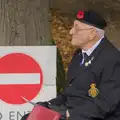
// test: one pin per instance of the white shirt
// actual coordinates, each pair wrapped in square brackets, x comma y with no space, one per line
[89,51]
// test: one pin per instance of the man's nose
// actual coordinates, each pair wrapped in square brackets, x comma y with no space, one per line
[72,31]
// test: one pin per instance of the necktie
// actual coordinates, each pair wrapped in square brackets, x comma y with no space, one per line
[84,55]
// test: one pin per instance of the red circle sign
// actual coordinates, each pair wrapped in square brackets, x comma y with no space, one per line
[20,75]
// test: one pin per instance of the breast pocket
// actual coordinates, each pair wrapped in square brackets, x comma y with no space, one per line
[83,81]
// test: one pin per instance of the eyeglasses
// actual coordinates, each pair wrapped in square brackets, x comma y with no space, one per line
[77,29]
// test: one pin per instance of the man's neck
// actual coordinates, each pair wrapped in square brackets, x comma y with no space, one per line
[91,49]
[91,43]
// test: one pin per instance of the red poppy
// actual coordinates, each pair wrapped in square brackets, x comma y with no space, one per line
[80,15]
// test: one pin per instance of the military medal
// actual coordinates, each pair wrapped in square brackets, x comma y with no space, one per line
[93,91]
[86,64]
[89,62]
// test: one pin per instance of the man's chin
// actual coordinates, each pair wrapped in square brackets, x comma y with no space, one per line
[73,43]
[76,44]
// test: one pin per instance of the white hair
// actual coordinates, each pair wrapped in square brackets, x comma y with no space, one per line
[100,32]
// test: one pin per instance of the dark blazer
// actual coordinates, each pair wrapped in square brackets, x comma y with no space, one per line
[104,72]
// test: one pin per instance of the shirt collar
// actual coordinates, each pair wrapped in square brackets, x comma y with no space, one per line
[89,51]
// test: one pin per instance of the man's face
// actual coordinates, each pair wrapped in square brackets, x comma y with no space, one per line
[80,33]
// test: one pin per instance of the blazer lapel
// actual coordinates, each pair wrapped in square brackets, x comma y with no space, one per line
[74,67]
[90,59]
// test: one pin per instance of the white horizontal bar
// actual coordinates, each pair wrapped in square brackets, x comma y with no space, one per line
[22,78]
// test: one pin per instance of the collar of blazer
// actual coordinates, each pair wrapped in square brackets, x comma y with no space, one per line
[95,53]
[93,56]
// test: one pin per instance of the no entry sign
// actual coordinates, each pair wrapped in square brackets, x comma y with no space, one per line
[29,72]
[20,75]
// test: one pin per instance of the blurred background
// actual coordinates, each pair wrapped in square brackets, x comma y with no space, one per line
[47,22]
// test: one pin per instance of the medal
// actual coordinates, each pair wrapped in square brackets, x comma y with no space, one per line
[89,62]
[86,64]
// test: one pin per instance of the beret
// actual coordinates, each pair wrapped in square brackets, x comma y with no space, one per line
[91,18]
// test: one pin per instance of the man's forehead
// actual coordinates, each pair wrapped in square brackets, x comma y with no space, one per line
[79,24]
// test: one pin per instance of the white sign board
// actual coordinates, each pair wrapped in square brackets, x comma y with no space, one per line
[29,72]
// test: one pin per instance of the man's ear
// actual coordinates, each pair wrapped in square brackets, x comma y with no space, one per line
[92,33]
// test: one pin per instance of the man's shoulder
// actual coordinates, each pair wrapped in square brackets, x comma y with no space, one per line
[111,52]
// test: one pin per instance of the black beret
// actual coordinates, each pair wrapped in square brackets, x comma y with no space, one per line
[91,18]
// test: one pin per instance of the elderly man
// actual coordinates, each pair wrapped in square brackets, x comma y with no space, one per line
[93,92]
